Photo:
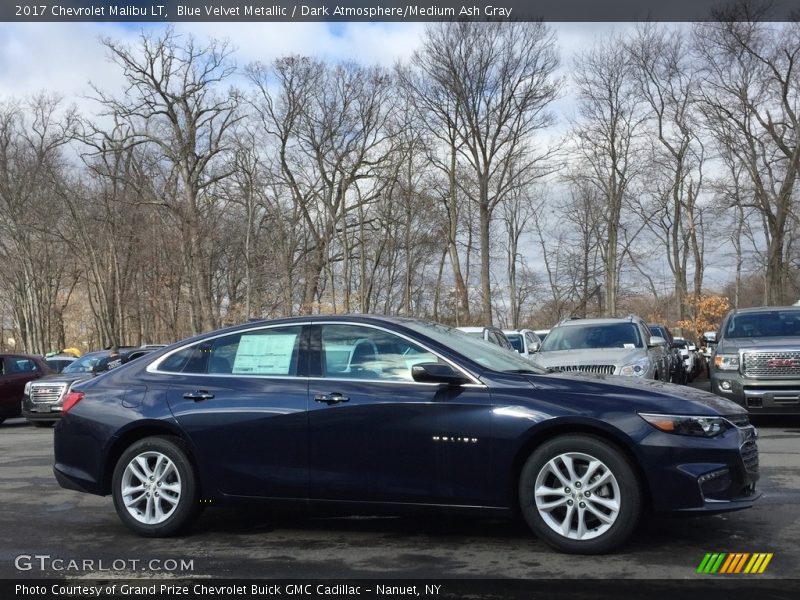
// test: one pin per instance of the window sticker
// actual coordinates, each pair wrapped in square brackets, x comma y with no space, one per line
[265,354]
[629,346]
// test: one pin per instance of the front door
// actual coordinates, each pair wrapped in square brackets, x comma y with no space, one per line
[376,435]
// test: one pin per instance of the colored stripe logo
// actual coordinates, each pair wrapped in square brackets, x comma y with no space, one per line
[734,563]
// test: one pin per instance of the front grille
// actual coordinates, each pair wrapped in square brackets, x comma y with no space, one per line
[601,369]
[771,364]
[46,393]
[749,452]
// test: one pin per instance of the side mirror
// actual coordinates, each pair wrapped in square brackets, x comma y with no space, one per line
[534,347]
[437,373]
[657,340]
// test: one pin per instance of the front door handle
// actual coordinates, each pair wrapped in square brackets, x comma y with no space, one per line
[334,398]
[198,395]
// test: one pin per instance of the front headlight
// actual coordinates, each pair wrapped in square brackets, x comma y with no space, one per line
[637,369]
[687,425]
[727,362]
[27,390]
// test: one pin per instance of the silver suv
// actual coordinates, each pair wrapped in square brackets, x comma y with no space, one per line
[757,359]
[605,346]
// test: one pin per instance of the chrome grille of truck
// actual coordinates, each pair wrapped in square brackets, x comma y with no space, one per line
[771,364]
[43,393]
[601,369]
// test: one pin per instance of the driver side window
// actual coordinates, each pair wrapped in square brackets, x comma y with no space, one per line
[357,352]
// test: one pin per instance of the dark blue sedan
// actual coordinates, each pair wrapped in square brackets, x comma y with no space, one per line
[373,414]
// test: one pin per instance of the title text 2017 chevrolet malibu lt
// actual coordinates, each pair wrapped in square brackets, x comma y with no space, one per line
[370,414]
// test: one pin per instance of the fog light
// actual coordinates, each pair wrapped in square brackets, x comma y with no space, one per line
[713,475]
[725,385]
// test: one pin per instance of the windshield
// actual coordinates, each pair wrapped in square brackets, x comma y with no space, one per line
[516,341]
[773,323]
[488,355]
[581,337]
[84,364]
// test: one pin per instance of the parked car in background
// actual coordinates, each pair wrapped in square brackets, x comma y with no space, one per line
[59,362]
[709,344]
[16,371]
[42,400]
[677,370]
[618,346]
[688,356]
[524,341]
[490,334]
[757,359]
[424,419]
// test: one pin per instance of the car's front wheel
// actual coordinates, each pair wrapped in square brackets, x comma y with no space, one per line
[580,494]
[155,487]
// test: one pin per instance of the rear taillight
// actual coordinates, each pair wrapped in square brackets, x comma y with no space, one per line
[71,400]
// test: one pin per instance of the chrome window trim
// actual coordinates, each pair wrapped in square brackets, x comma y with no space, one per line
[153,367]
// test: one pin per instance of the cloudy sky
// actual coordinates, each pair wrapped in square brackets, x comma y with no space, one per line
[64,57]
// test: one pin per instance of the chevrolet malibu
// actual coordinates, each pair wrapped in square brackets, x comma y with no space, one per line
[366,414]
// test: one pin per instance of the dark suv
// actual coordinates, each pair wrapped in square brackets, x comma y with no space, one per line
[677,371]
[757,359]
[16,370]
[42,400]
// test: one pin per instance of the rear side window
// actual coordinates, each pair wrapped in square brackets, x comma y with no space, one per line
[261,352]
[19,364]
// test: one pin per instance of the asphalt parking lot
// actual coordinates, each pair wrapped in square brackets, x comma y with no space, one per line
[39,518]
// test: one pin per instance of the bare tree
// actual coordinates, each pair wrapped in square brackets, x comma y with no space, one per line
[751,101]
[605,141]
[173,102]
[498,80]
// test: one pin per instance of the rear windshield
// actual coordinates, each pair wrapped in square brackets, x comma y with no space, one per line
[772,323]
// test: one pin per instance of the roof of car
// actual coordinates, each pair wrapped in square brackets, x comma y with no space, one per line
[757,309]
[595,321]
[469,329]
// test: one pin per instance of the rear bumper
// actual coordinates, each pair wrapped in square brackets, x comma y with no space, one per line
[72,479]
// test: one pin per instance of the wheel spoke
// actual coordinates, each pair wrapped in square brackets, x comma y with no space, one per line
[581,523]
[555,470]
[603,479]
[570,465]
[134,500]
[168,470]
[552,504]
[605,518]
[566,524]
[609,503]
[594,465]
[137,472]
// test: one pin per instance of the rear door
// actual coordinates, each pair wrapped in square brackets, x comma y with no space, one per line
[241,398]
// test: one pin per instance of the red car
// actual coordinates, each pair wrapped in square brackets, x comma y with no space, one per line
[15,371]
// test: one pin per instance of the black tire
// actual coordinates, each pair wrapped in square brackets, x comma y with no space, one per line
[627,494]
[187,507]
[42,424]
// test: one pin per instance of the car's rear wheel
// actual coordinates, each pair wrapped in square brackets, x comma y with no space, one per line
[155,487]
[580,494]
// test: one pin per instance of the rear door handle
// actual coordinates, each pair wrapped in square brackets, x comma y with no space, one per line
[198,395]
[334,398]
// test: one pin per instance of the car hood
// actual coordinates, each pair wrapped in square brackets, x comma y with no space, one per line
[63,378]
[643,395]
[590,356]
[758,343]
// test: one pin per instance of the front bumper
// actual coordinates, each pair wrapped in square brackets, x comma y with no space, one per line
[687,474]
[758,396]
[40,411]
